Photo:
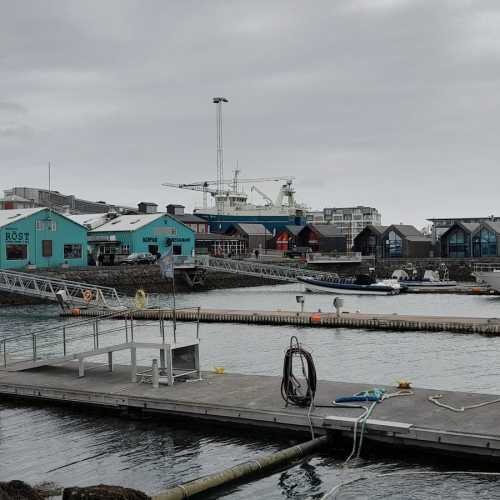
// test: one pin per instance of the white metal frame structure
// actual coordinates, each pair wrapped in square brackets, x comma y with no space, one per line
[74,293]
[79,340]
[255,268]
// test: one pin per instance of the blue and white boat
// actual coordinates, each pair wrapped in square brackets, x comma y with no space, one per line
[361,285]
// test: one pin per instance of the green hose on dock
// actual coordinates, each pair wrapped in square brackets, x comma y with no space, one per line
[258,465]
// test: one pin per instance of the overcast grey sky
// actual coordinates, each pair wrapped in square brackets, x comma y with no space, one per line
[389,103]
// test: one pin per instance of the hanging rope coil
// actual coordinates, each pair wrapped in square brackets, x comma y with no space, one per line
[292,390]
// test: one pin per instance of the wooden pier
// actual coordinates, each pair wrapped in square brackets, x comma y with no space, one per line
[411,421]
[486,326]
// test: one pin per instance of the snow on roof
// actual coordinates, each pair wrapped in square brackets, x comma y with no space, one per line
[90,221]
[128,222]
[16,214]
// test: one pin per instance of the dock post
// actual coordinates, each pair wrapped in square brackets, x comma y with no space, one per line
[162,360]
[126,329]
[5,354]
[110,361]
[155,375]
[133,362]
[81,367]
[64,340]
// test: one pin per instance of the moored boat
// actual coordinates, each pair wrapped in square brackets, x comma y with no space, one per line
[361,285]
[429,279]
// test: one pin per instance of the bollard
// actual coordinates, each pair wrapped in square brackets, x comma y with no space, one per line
[156,376]
[338,303]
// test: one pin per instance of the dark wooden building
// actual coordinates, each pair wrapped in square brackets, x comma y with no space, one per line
[256,236]
[322,238]
[369,241]
[404,241]
[286,239]
[464,239]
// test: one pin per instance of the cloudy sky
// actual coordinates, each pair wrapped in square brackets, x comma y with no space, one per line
[389,103]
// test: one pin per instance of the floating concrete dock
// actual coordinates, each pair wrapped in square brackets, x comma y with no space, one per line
[411,421]
[486,326]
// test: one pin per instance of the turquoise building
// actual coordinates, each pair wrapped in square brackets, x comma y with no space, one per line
[153,233]
[40,237]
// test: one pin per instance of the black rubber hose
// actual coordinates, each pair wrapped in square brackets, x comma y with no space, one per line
[291,390]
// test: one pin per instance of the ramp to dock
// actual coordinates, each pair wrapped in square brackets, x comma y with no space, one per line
[71,292]
[255,268]
[233,399]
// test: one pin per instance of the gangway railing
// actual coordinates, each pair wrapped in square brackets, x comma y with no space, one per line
[256,268]
[71,292]
[78,340]
[487,267]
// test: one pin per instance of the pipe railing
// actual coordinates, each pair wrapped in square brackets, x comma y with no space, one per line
[59,339]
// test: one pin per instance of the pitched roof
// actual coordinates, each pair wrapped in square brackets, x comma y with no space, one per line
[410,233]
[470,227]
[90,221]
[16,214]
[190,219]
[326,230]
[252,229]
[493,225]
[295,230]
[128,222]
[216,237]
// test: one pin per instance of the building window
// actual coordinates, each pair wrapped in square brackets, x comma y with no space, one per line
[46,248]
[395,244]
[177,250]
[484,244]
[16,252]
[124,249]
[73,251]
[46,225]
[456,244]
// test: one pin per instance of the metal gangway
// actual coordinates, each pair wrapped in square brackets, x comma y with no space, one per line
[104,335]
[72,293]
[256,268]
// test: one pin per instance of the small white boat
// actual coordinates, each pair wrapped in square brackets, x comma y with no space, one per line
[430,279]
[361,285]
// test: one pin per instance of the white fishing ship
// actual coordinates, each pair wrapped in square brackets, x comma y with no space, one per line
[488,274]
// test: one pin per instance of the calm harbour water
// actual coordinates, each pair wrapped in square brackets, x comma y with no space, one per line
[69,446]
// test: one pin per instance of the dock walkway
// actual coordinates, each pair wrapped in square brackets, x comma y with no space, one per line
[456,324]
[249,400]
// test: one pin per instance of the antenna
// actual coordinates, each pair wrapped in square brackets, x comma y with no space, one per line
[220,152]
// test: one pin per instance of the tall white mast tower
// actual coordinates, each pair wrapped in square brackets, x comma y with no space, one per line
[220,151]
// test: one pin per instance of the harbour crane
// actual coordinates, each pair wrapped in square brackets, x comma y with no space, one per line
[204,186]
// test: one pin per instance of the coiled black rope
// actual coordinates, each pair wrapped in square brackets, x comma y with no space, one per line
[292,390]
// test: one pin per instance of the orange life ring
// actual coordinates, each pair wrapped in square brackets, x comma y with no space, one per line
[87,296]
[315,318]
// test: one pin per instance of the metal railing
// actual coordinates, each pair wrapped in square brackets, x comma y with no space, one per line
[76,337]
[487,267]
[74,293]
[256,268]
[333,257]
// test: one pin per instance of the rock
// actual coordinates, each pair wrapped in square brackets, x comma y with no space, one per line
[103,492]
[17,490]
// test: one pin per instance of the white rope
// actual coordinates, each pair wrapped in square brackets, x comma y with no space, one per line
[435,399]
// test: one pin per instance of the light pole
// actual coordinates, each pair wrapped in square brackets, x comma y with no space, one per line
[220,152]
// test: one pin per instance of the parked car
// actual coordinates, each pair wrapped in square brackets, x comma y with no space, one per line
[139,258]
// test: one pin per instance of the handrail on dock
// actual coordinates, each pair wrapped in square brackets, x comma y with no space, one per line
[256,268]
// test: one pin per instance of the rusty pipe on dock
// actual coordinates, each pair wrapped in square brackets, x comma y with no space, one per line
[241,471]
